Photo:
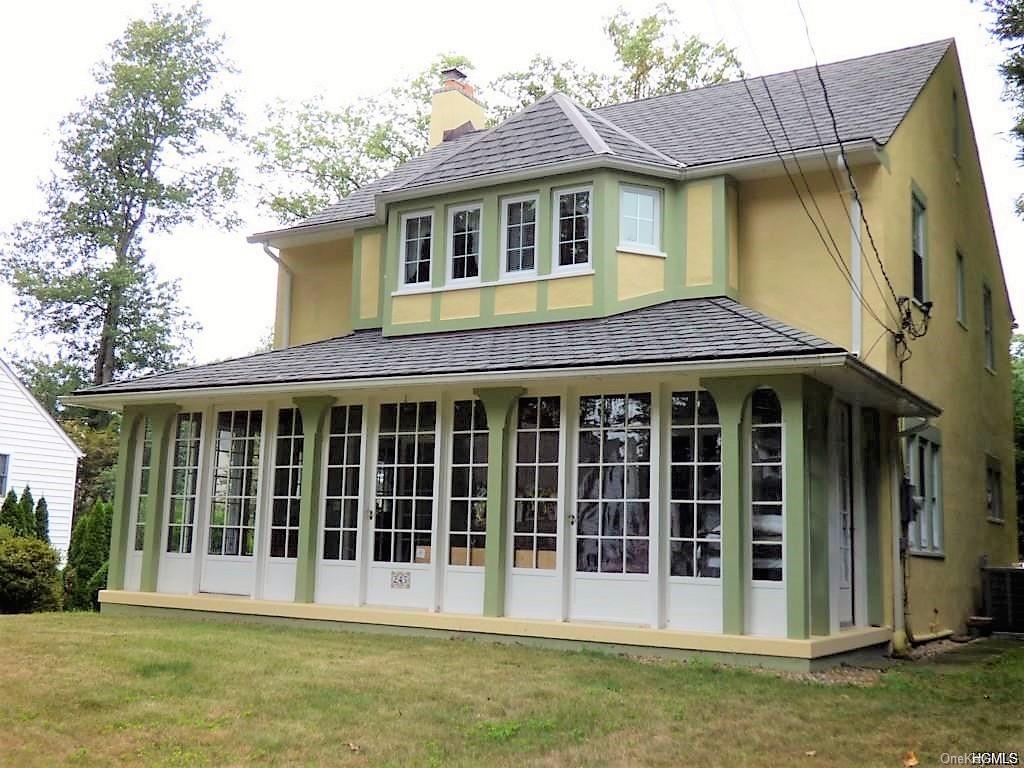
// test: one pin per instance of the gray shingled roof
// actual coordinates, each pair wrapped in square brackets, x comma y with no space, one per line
[685,330]
[870,96]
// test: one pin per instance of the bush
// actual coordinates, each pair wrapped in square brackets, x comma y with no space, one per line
[42,520]
[12,515]
[28,575]
[86,573]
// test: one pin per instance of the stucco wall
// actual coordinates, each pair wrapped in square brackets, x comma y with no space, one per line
[321,292]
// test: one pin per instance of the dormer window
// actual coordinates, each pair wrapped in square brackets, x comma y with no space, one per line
[640,219]
[417,247]
[464,243]
[572,228]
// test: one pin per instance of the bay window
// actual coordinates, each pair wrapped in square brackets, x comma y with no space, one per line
[519,235]
[640,219]
[417,248]
[464,243]
[572,228]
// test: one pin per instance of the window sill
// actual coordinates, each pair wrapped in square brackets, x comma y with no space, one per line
[990,369]
[573,271]
[409,290]
[640,250]
[455,284]
[932,555]
[961,323]
[996,520]
[505,280]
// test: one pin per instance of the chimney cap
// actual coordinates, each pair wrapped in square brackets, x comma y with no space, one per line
[453,73]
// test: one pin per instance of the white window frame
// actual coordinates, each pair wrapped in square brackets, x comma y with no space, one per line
[450,244]
[989,328]
[650,249]
[752,505]
[588,265]
[961,289]
[426,284]
[517,274]
[5,472]
[919,238]
[996,512]
[926,540]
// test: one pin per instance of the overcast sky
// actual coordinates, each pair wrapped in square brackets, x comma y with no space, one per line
[343,50]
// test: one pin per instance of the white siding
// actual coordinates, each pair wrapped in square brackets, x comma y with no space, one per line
[41,455]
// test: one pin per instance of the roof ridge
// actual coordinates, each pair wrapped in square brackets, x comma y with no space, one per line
[483,134]
[623,132]
[810,68]
[581,124]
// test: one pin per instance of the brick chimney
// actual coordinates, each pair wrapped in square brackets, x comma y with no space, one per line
[453,108]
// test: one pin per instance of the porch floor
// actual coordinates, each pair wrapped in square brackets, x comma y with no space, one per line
[511,629]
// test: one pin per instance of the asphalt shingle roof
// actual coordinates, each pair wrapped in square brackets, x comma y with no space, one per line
[684,330]
[870,96]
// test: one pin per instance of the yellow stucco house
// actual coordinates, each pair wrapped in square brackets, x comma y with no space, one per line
[723,372]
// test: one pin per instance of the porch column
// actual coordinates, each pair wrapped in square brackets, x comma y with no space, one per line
[123,478]
[498,404]
[161,418]
[313,411]
[817,470]
[731,399]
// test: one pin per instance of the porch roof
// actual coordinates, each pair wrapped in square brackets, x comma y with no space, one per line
[686,333]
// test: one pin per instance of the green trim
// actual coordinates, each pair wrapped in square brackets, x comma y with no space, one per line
[731,397]
[124,477]
[498,404]
[161,418]
[674,244]
[874,554]
[818,472]
[796,544]
[313,411]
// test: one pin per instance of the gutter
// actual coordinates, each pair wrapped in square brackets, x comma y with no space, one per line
[289,276]
[765,365]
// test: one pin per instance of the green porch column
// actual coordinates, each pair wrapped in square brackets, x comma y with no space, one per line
[731,398]
[498,404]
[796,525]
[123,477]
[161,419]
[817,469]
[313,411]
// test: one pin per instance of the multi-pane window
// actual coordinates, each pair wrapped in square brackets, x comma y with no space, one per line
[404,513]
[5,463]
[341,502]
[925,529]
[534,542]
[695,489]
[961,290]
[986,308]
[572,227]
[917,240]
[235,478]
[416,248]
[520,227]
[994,490]
[284,507]
[639,218]
[766,483]
[468,519]
[464,242]
[142,498]
[184,481]
[614,484]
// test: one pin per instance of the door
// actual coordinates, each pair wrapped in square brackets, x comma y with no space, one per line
[843,516]
[177,571]
[612,521]
[400,570]
[229,563]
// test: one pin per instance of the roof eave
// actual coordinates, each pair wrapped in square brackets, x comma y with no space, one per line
[858,152]
[302,235]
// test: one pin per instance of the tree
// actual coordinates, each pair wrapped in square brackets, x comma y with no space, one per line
[1008,28]
[311,155]
[1017,368]
[314,154]
[42,516]
[28,512]
[99,444]
[87,556]
[134,158]
[12,516]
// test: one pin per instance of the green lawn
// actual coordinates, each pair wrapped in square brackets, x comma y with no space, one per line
[83,689]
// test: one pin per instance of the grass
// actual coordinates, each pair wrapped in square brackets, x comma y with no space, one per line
[83,689]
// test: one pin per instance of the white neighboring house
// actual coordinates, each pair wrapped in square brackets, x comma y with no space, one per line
[36,452]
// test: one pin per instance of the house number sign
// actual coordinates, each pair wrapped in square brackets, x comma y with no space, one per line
[401,579]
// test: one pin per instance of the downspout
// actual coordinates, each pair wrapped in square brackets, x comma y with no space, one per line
[286,310]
